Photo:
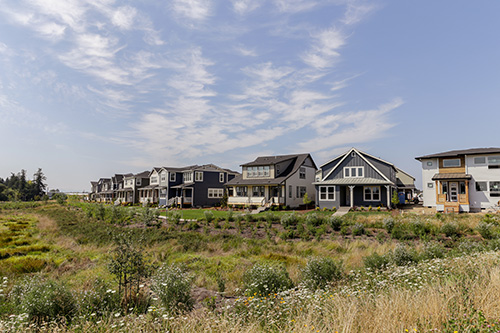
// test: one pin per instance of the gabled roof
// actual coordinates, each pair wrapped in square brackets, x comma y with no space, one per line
[361,154]
[406,173]
[455,153]
[299,160]
[144,174]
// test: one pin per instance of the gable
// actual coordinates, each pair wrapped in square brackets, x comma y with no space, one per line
[354,161]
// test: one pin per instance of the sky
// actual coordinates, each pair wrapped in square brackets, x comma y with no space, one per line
[90,88]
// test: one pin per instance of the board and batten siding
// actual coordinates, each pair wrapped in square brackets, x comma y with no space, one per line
[353,161]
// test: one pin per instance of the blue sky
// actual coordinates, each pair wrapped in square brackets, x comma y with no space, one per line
[89,88]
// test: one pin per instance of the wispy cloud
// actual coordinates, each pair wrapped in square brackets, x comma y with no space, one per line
[295,6]
[357,10]
[325,49]
[243,7]
[192,9]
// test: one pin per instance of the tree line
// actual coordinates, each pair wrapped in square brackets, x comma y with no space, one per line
[18,187]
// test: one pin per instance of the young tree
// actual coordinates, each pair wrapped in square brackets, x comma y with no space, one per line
[306,200]
[395,199]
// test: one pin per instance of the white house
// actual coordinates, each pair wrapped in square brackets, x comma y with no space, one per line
[461,180]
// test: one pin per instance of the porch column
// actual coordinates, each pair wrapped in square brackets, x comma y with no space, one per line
[351,194]
[388,189]
[467,191]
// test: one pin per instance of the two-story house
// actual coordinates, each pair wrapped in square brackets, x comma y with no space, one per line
[104,191]
[201,186]
[131,186]
[274,180]
[356,179]
[461,180]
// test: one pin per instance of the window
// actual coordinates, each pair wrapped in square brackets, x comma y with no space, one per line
[480,160]
[172,176]
[138,182]
[290,189]
[327,193]
[301,191]
[163,177]
[430,185]
[451,163]
[260,171]
[494,160]
[353,172]
[154,180]
[372,193]
[198,176]
[302,173]
[462,187]
[481,186]
[258,191]
[188,177]
[241,191]
[429,163]
[221,177]
[494,189]
[215,192]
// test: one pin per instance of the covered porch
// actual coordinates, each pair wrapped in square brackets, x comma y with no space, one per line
[452,192]
[256,195]
[183,195]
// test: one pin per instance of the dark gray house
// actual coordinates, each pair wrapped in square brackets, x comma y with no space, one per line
[200,186]
[355,179]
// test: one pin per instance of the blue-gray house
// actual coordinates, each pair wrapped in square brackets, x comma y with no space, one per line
[355,179]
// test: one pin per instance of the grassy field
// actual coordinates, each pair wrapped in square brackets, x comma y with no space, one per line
[382,271]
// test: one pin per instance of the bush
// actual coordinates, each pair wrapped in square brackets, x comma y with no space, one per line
[450,230]
[401,231]
[486,230]
[173,285]
[403,255]
[419,228]
[358,229]
[174,217]
[99,301]
[193,225]
[314,219]
[389,224]
[289,220]
[263,279]
[44,300]
[433,250]
[230,215]
[318,272]
[335,222]
[376,261]
[209,216]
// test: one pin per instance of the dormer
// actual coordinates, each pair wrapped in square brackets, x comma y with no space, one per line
[258,172]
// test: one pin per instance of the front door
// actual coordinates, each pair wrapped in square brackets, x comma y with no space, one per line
[453,191]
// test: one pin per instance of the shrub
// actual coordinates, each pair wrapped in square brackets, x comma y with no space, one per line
[193,225]
[173,285]
[358,229]
[230,215]
[376,261]
[289,220]
[99,301]
[44,300]
[419,228]
[263,279]
[389,224]
[149,216]
[403,255]
[433,250]
[467,246]
[174,217]
[335,222]
[450,230]
[401,231]
[314,219]
[486,230]
[209,216]
[318,272]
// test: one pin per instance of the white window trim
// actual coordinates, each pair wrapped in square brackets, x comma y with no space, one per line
[302,171]
[217,193]
[371,193]
[357,171]
[326,193]
[222,177]
[172,174]
[483,163]
[196,178]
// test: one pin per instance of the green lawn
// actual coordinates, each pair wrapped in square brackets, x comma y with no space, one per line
[192,214]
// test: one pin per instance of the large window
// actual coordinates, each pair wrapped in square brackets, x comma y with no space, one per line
[327,193]
[198,176]
[241,191]
[302,173]
[494,189]
[172,176]
[290,189]
[188,177]
[494,159]
[451,163]
[301,191]
[353,172]
[258,171]
[372,193]
[258,191]
[480,160]
[215,192]
[154,180]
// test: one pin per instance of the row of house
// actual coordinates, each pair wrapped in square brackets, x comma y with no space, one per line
[453,181]
[354,178]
